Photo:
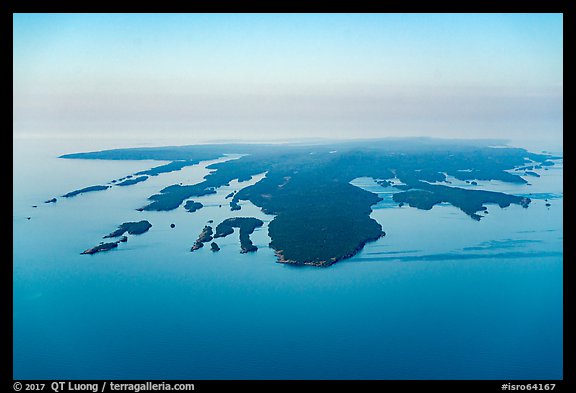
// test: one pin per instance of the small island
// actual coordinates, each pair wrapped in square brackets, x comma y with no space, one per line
[196,246]
[133,228]
[192,206]
[170,167]
[172,196]
[204,237]
[84,190]
[247,226]
[53,200]
[214,247]
[135,180]
[101,247]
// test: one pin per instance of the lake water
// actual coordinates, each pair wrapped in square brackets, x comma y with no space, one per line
[441,296]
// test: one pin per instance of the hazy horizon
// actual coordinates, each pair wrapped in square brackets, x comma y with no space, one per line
[262,77]
[390,257]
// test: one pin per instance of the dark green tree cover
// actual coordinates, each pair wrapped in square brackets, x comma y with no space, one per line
[204,237]
[135,180]
[320,217]
[425,196]
[172,197]
[192,206]
[84,190]
[100,248]
[247,226]
[170,167]
[133,228]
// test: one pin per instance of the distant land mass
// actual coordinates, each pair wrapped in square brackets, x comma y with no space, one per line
[319,216]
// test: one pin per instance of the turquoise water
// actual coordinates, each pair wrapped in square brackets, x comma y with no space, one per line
[441,296]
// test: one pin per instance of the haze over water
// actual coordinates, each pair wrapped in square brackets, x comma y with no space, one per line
[278,76]
[441,296]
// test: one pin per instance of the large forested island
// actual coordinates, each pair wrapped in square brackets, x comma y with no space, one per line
[319,216]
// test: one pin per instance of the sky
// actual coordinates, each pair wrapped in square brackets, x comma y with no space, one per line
[287,76]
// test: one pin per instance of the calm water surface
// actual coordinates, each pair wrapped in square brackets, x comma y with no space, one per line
[441,296]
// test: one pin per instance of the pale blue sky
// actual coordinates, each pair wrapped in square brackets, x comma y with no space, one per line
[288,75]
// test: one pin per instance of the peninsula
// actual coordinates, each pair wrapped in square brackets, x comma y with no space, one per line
[424,196]
[247,225]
